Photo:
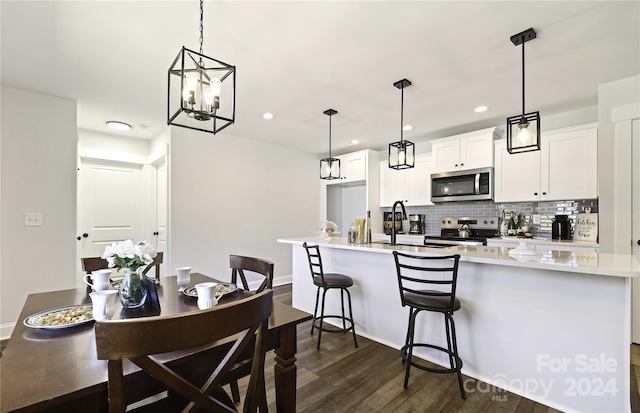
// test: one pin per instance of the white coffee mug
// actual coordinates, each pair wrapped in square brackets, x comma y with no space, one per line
[183,277]
[98,280]
[207,297]
[104,304]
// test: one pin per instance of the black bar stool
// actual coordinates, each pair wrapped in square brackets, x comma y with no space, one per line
[416,275]
[326,282]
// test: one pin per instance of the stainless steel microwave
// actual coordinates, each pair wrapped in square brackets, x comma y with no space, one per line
[469,185]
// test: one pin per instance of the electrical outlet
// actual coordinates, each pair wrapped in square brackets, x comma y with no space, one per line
[536,219]
[32,219]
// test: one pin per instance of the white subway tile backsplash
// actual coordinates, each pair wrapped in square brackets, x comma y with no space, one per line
[546,210]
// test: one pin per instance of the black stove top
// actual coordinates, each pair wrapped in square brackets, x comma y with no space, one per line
[480,228]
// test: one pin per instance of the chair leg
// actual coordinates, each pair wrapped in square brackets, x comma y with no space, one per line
[353,324]
[455,352]
[235,391]
[406,341]
[315,311]
[344,322]
[324,294]
[412,323]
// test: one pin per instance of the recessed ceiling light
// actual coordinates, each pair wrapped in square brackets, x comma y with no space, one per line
[355,141]
[267,115]
[481,109]
[118,125]
[407,127]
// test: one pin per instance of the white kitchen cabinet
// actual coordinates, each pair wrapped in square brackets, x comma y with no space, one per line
[565,168]
[343,200]
[353,167]
[569,164]
[516,176]
[412,185]
[467,151]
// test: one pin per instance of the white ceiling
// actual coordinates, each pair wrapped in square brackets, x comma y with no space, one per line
[297,59]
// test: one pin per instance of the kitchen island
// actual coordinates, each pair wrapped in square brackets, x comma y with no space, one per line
[554,327]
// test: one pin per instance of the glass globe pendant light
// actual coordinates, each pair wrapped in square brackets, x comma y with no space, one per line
[330,167]
[402,152]
[523,131]
[196,92]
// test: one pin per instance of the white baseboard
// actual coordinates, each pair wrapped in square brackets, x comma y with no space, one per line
[6,330]
[287,279]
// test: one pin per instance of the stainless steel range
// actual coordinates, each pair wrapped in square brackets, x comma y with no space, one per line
[464,231]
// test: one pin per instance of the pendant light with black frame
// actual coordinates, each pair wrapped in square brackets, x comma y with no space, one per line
[523,131]
[195,86]
[402,152]
[330,167]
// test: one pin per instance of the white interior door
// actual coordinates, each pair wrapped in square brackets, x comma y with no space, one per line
[162,216]
[110,207]
[635,222]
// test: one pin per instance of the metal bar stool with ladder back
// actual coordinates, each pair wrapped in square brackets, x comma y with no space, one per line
[326,282]
[428,283]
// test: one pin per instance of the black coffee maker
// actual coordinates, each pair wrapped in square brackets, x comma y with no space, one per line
[561,227]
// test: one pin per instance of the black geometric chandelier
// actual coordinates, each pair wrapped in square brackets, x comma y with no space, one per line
[523,131]
[201,89]
[330,167]
[401,153]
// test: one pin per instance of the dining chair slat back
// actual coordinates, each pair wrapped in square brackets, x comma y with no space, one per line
[138,338]
[156,264]
[240,264]
[90,264]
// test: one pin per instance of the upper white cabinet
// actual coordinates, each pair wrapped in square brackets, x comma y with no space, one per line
[356,192]
[467,151]
[565,168]
[353,167]
[411,186]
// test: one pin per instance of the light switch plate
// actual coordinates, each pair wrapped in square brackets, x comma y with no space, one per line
[536,219]
[32,219]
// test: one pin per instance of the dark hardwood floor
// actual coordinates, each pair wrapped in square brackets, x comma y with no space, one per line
[341,378]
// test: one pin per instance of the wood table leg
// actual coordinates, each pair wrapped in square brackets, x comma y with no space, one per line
[286,370]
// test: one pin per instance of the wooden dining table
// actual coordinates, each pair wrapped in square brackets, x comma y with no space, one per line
[56,370]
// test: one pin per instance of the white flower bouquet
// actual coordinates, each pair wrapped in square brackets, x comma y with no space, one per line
[131,258]
[127,254]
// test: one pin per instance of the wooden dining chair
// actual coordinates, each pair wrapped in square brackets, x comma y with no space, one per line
[90,264]
[138,338]
[156,264]
[239,264]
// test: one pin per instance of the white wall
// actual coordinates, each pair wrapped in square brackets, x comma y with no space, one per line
[610,95]
[97,145]
[38,164]
[231,195]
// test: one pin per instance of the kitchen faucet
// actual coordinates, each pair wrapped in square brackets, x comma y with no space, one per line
[393,220]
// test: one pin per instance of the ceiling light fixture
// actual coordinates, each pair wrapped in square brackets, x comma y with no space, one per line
[197,87]
[355,141]
[523,131]
[267,115]
[481,109]
[113,124]
[401,153]
[407,127]
[330,167]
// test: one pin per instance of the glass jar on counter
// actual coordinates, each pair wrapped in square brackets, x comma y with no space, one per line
[351,235]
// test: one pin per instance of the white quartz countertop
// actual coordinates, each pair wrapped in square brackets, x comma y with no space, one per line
[545,241]
[617,265]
